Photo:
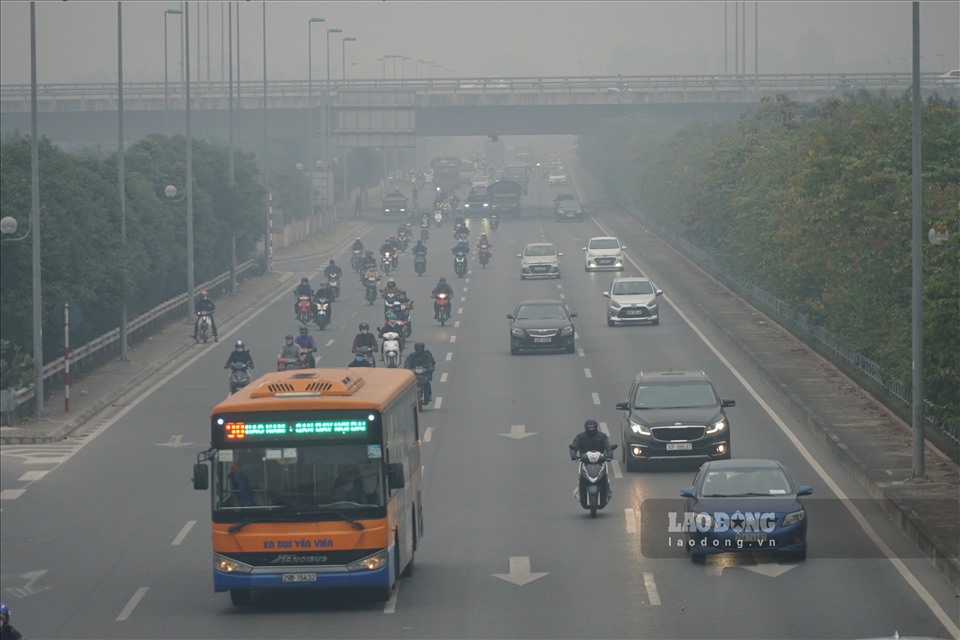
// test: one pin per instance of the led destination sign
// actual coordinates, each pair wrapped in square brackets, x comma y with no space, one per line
[277,427]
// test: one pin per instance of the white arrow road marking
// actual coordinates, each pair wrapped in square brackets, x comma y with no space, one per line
[134,601]
[769,570]
[29,588]
[518,432]
[520,573]
[652,595]
[175,441]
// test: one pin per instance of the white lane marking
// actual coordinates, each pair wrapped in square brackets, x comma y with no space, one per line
[183,533]
[329,342]
[456,324]
[463,298]
[587,372]
[391,604]
[631,520]
[134,601]
[617,473]
[563,296]
[596,398]
[428,434]
[460,310]
[443,377]
[29,476]
[453,338]
[465,289]
[11,494]
[580,352]
[605,429]
[449,356]
[559,286]
[857,515]
[437,402]
[651,586]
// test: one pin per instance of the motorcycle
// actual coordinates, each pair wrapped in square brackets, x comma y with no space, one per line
[424,234]
[322,317]
[594,482]
[420,263]
[356,260]
[370,284]
[423,380]
[404,241]
[333,282]
[203,331]
[366,353]
[386,263]
[438,218]
[484,255]
[494,222]
[460,263]
[443,308]
[392,348]
[239,376]
[303,308]
[283,364]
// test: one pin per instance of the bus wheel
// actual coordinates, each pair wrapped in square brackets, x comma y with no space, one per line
[240,597]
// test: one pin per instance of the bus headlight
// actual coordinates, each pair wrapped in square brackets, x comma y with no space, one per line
[226,565]
[370,563]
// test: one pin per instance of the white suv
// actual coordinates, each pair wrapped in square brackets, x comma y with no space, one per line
[603,253]
[539,260]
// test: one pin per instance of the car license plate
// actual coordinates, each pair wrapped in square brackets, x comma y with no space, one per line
[299,577]
[679,446]
[541,269]
[751,537]
[541,339]
[633,312]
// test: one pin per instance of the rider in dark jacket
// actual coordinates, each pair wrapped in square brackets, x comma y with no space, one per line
[369,261]
[333,270]
[365,339]
[592,439]
[240,353]
[442,287]
[421,357]
[206,305]
[303,288]
[420,248]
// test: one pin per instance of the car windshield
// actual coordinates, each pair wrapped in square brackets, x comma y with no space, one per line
[540,250]
[727,483]
[540,312]
[604,243]
[569,205]
[675,396]
[632,288]
[564,196]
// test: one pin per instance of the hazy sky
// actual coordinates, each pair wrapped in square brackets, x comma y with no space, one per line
[77,41]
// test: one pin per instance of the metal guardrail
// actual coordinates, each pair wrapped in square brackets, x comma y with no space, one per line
[96,345]
[894,389]
[253,88]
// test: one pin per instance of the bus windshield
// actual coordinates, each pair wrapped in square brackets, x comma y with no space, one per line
[305,477]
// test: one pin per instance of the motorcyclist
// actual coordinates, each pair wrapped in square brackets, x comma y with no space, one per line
[324,292]
[307,342]
[420,248]
[290,351]
[484,241]
[365,339]
[240,353]
[205,305]
[7,631]
[369,261]
[591,439]
[421,357]
[390,244]
[303,288]
[357,245]
[333,270]
[462,246]
[442,287]
[359,360]
[388,318]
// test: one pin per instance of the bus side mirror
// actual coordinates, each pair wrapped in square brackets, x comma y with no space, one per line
[395,475]
[201,476]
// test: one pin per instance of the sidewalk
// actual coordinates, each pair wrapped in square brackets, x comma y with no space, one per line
[108,384]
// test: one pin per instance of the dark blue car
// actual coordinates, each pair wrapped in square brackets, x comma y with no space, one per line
[743,506]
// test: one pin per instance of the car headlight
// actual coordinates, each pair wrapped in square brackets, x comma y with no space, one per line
[794,518]
[370,563]
[226,565]
[639,428]
[566,331]
[718,426]
[516,331]
[615,305]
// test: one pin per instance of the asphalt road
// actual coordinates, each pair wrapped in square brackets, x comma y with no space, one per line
[119,542]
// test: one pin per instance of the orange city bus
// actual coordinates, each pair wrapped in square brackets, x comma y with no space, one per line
[315,481]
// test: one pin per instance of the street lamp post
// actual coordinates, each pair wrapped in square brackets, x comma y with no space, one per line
[403,66]
[166,91]
[186,95]
[326,120]
[310,159]
[35,222]
[343,57]
[121,185]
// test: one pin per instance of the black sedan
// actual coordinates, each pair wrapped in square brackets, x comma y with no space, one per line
[742,506]
[541,324]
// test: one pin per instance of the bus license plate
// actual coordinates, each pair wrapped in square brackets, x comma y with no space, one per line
[299,577]
[679,446]
[541,339]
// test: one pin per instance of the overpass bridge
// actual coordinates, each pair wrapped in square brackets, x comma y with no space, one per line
[393,113]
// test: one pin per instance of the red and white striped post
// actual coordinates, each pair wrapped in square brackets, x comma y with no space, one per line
[270,232]
[66,356]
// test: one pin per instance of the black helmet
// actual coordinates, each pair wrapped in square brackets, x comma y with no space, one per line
[364,326]
[443,280]
[304,280]
[332,262]
[419,347]
[391,283]
[239,346]
[591,427]
[304,331]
